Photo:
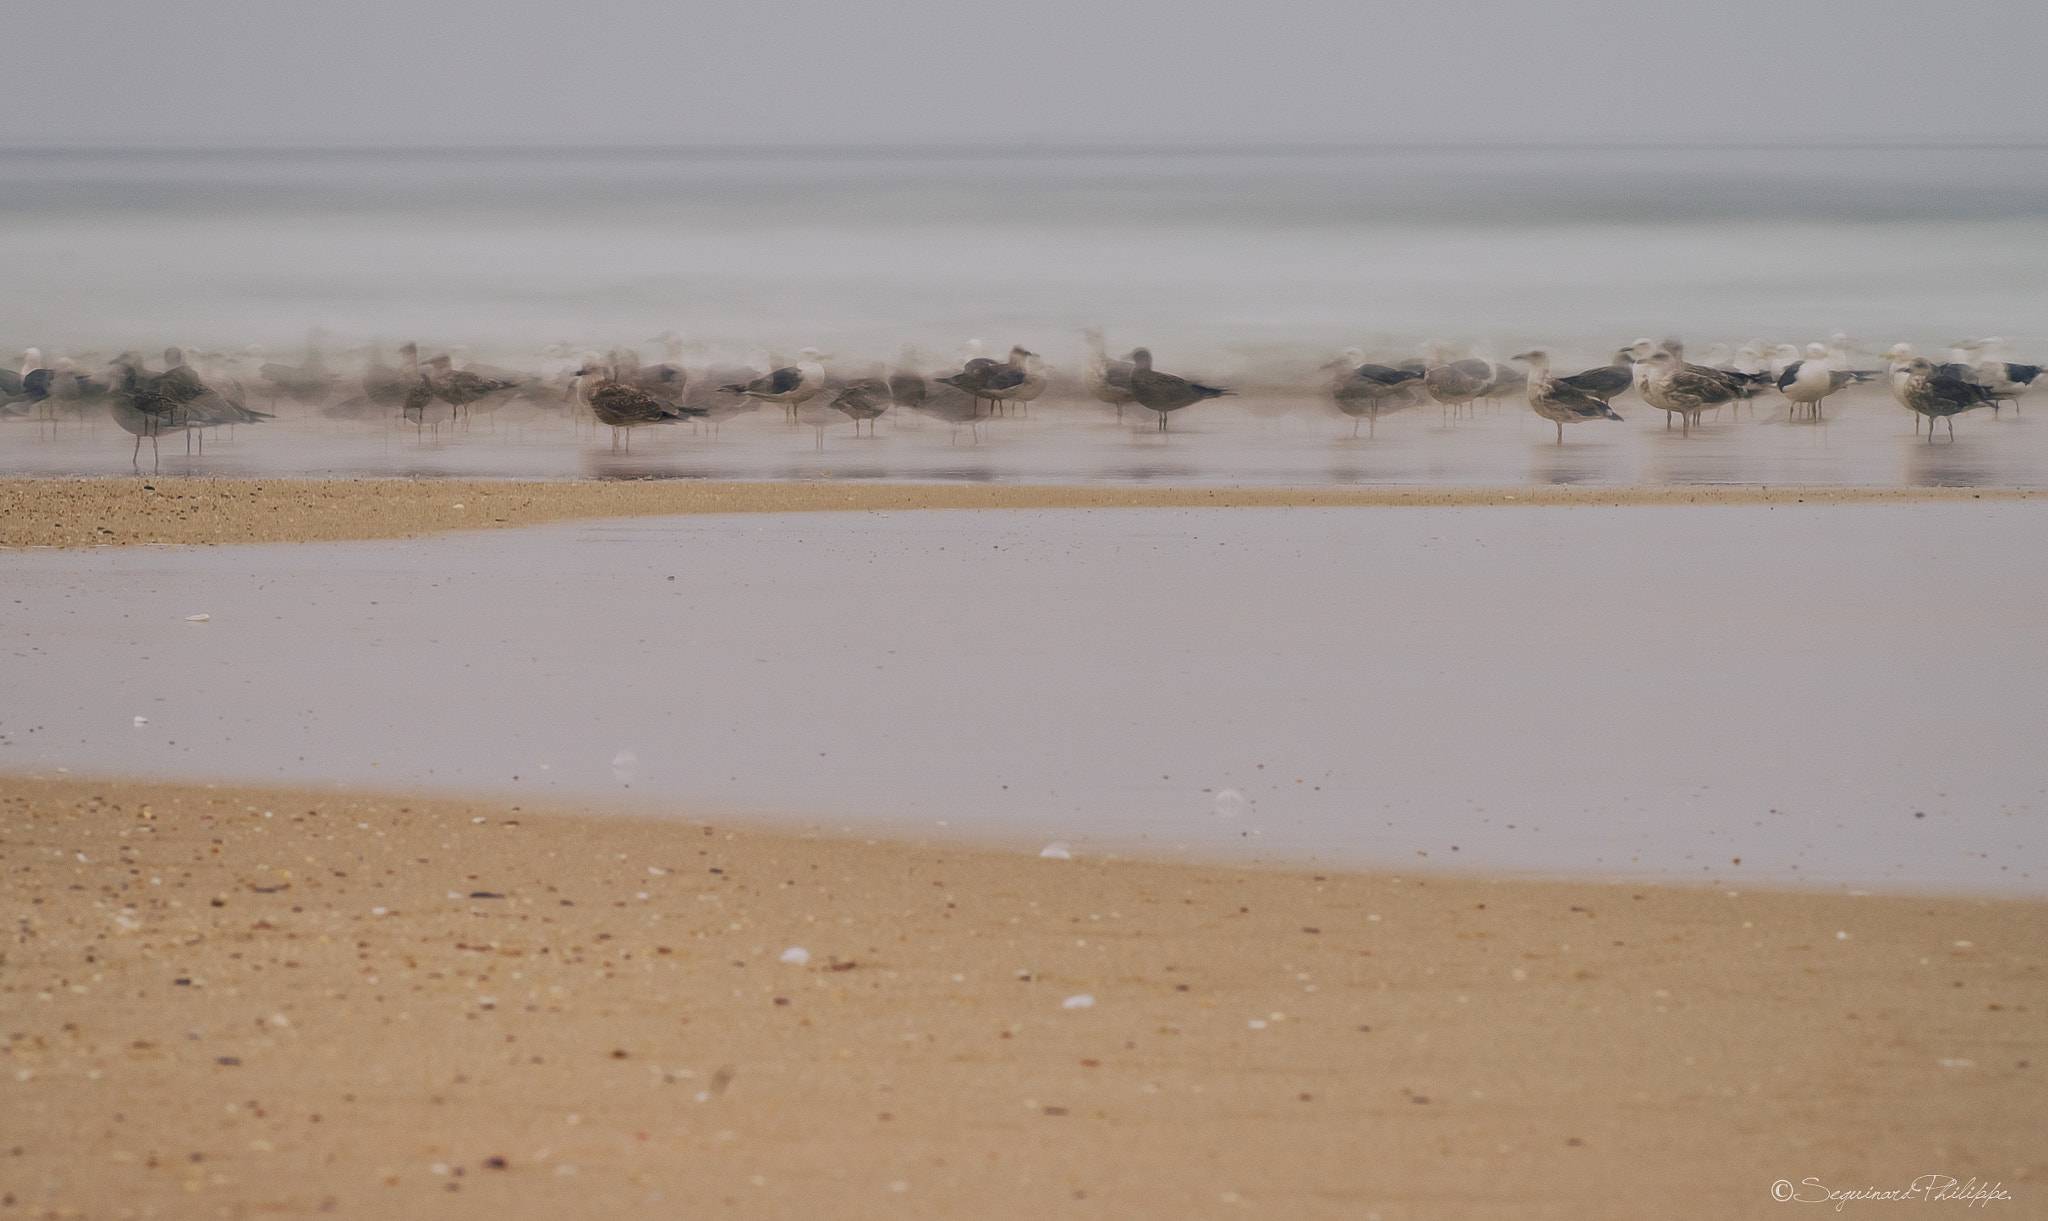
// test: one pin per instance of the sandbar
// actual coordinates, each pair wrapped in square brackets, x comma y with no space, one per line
[127,511]
[232,1001]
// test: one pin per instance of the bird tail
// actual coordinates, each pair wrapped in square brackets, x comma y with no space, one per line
[1212,392]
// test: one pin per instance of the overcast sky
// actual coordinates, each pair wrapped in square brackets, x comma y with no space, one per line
[382,72]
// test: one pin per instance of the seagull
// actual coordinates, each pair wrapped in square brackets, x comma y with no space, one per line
[906,384]
[1019,380]
[201,406]
[1506,380]
[2006,381]
[865,398]
[1812,380]
[1558,401]
[1163,392]
[1684,390]
[1935,394]
[622,404]
[1014,380]
[1457,383]
[139,408]
[1362,390]
[792,385]
[1107,380]
[461,387]
[308,383]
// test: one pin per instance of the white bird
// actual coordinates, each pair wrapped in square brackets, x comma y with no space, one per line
[1809,382]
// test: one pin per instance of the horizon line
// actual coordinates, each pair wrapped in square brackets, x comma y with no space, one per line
[1014,148]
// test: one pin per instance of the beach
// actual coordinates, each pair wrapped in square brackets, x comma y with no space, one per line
[126,511]
[233,1001]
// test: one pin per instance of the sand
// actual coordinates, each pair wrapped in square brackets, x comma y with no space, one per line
[226,1002]
[116,512]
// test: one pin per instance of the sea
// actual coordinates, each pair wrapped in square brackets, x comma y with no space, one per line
[1222,260]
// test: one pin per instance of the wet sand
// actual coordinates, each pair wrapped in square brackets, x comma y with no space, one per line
[227,1001]
[117,512]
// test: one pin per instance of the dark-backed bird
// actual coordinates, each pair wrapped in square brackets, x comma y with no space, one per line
[1368,391]
[2005,380]
[1163,392]
[1928,391]
[1557,401]
[792,385]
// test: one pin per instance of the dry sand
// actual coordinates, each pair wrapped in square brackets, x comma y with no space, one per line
[113,512]
[224,1002]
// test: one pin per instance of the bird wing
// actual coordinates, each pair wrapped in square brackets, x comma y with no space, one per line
[1706,385]
[1605,380]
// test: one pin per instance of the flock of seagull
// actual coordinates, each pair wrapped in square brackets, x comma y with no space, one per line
[618,391]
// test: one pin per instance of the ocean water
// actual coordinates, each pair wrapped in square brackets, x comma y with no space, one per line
[1245,263]
[1799,695]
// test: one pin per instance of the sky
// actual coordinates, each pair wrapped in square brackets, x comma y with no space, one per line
[834,72]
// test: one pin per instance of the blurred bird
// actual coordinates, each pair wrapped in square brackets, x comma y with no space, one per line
[1163,392]
[1107,380]
[1454,384]
[2006,381]
[1558,401]
[622,405]
[461,388]
[792,385]
[1364,391]
[865,398]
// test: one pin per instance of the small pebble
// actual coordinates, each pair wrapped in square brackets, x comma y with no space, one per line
[141,721]
[1083,1001]
[1056,851]
[796,956]
[197,618]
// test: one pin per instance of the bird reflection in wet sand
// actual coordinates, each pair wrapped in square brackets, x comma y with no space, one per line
[1163,392]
